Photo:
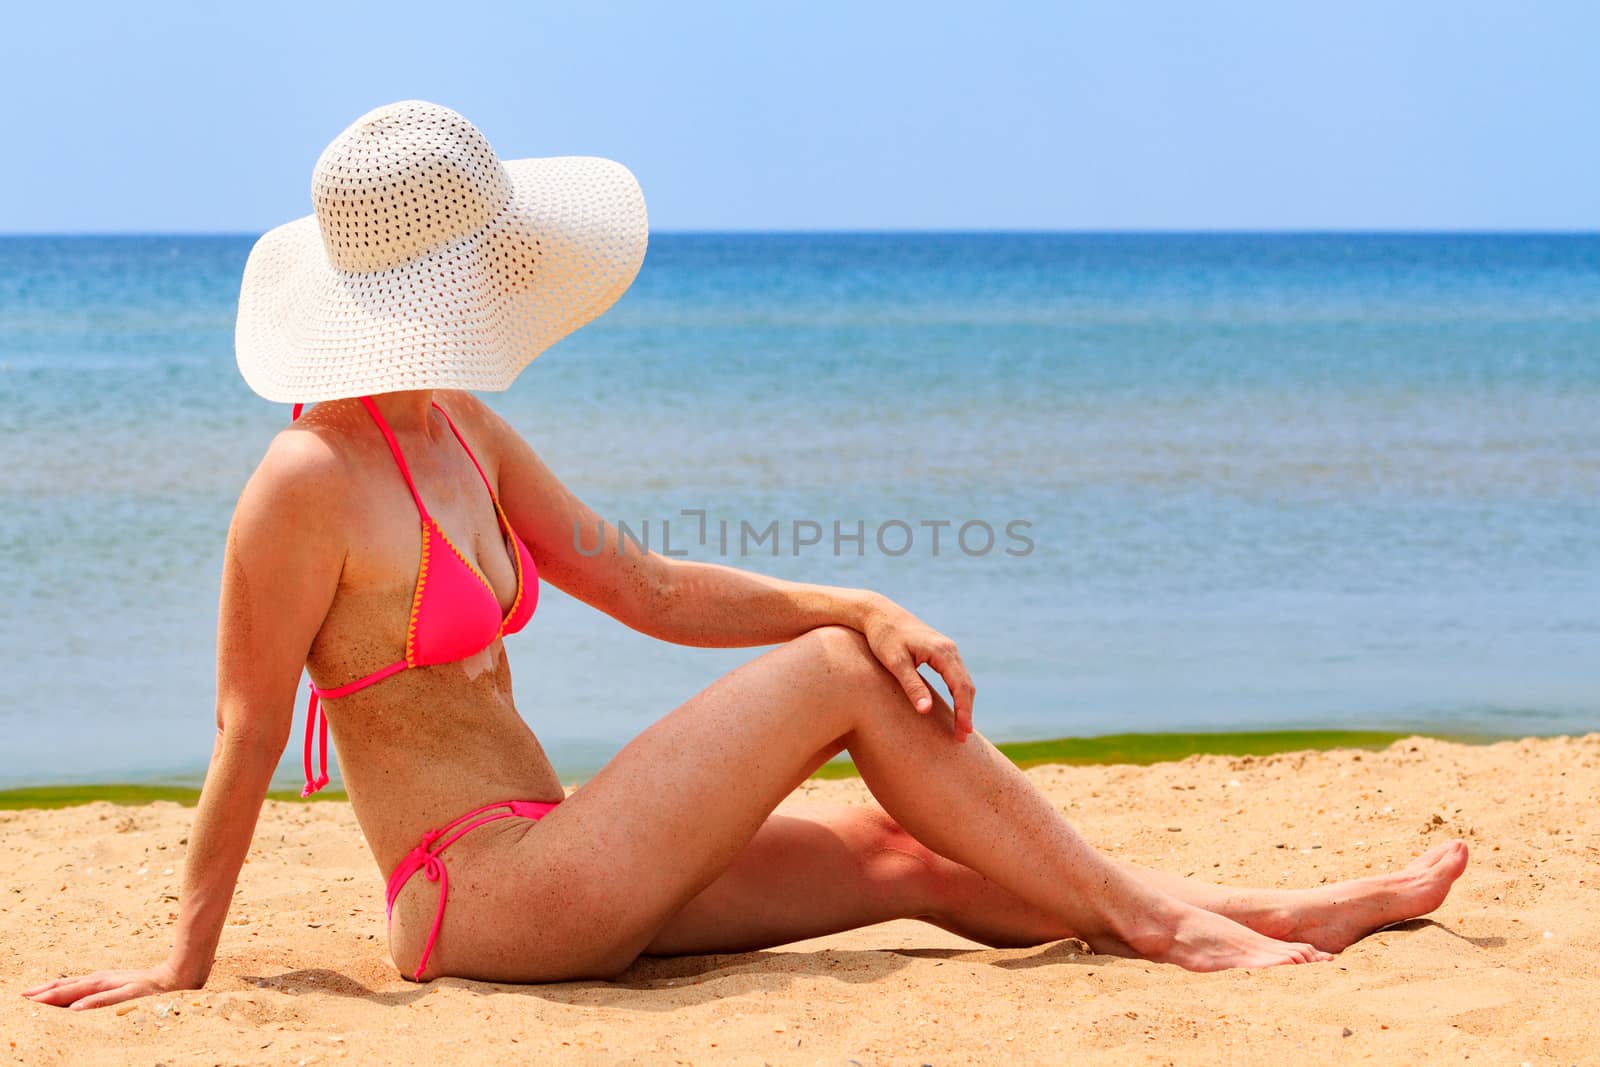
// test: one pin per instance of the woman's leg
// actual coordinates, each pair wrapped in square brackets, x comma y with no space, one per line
[806,875]
[605,872]
[1332,917]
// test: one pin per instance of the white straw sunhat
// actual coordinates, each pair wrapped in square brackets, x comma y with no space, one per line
[432,264]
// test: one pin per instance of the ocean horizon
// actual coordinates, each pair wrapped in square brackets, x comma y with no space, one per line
[1230,480]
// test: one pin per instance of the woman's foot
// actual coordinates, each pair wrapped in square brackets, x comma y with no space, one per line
[1199,940]
[1335,917]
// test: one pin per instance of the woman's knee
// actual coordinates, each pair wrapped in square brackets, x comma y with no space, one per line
[900,865]
[833,643]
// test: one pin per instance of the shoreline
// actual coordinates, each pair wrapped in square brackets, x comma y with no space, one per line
[1131,749]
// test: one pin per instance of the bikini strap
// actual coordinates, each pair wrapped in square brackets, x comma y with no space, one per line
[399,457]
[451,422]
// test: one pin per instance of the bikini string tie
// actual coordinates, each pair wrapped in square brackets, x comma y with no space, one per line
[316,723]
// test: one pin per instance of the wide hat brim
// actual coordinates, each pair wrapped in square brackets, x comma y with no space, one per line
[470,314]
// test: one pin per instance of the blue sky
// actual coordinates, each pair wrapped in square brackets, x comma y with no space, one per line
[826,115]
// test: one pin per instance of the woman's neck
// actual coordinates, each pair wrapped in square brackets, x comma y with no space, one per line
[407,411]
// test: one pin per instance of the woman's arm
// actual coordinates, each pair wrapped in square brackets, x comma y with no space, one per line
[705,604]
[714,606]
[279,574]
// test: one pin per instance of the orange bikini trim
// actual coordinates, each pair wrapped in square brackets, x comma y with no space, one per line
[516,561]
[416,597]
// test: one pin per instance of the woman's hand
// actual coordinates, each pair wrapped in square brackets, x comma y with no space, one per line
[902,642]
[103,988]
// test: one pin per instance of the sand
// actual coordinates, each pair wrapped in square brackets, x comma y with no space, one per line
[1505,972]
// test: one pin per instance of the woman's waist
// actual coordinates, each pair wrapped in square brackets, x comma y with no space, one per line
[404,793]
[426,722]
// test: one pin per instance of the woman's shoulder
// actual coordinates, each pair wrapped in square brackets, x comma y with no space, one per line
[308,466]
[311,450]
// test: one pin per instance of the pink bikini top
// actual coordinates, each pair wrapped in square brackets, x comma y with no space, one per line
[454,611]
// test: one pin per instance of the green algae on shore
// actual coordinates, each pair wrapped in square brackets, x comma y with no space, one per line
[66,796]
[1144,749]
[1138,749]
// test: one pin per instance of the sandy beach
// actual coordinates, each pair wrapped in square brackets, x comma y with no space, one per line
[1504,972]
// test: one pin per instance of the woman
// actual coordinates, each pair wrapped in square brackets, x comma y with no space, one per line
[432,267]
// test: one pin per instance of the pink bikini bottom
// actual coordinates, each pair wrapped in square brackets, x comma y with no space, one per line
[425,857]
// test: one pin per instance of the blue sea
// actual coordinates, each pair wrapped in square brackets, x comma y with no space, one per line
[1228,481]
